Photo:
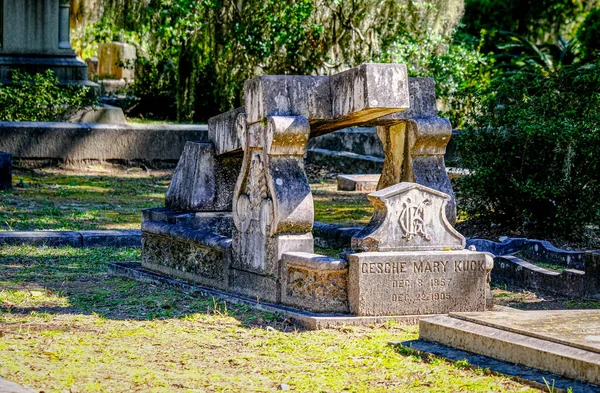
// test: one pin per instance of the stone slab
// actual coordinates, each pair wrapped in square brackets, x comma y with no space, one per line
[11,387]
[42,238]
[576,328]
[307,320]
[188,254]
[360,183]
[409,283]
[498,342]
[525,375]
[108,238]
[84,142]
[112,238]
[105,114]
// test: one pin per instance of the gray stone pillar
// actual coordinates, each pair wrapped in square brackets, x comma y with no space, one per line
[64,28]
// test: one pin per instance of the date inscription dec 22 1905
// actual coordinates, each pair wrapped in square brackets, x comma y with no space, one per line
[416,283]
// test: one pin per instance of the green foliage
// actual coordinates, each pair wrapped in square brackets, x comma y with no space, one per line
[538,21]
[533,148]
[589,35]
[457,66]
[39,98]
[518,52]
[216,45]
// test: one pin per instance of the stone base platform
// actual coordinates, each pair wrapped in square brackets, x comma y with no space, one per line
[566,343]
[307,320]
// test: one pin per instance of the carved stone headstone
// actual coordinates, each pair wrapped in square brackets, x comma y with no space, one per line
[415,262]
[408,217]
[116,60]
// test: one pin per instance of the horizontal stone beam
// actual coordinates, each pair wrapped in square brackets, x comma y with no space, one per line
[330,103]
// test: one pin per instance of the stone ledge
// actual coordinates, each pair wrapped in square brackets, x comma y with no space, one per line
[109,238]
[498,342]
[314,261]
[307,320]
[42,142]
[182,233]
[526,375]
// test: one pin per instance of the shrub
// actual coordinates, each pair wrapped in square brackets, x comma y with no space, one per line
[534,151]
[589,35]
[457,66]
[39,98]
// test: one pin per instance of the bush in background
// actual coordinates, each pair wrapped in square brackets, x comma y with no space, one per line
[39,98]
[533,147]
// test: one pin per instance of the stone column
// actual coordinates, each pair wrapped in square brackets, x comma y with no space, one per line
[272,203]
[64,30]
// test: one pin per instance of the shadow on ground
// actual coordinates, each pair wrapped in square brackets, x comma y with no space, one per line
[37,281]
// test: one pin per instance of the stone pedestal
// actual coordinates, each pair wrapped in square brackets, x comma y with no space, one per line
[417,283]
[35,37]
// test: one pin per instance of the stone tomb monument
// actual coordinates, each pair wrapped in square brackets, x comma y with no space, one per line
[239,210]
[35,37]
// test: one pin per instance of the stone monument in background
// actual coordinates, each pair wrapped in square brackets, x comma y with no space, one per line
[35,37]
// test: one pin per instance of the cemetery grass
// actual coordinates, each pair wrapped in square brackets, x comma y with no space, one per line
[96,198]
[65,325]
[101,198]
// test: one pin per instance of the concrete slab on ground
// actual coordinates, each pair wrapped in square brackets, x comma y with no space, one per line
[361,183]
[565,342]
[11,387]
[529,376]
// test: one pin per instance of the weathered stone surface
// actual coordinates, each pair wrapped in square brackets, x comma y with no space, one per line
[422,102]
[223,132]
[408,216]
[193,187]
[80,142]
[220,223]
[261,287]
[181,252]
[287,95]
[314,282]
[360,183]
[105,114]
[272,196]
[108,238]
[5,171]
[358,140]
[364,93]
[334,236]
[116,60]
[344,161]
[201,181]
[414,152]
[562,342]
[11,387]
[426,282]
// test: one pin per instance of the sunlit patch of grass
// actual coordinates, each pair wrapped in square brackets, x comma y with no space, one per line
[78,200]
[93,332]
[340,207]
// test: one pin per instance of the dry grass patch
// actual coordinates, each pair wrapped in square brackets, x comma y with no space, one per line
[67,326]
